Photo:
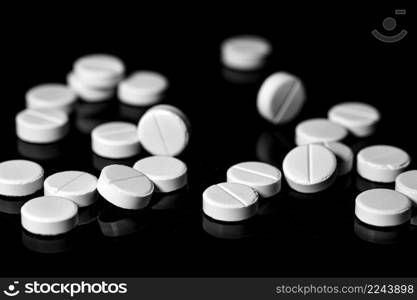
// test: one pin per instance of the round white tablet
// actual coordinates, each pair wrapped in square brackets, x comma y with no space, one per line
[115,140]
[280,98]
[99,70]
[49,215]
[41,126]
[80,187]
[230,202]
[344,156]
[318,130]
[164,130]
[125,187]
[406,183]
[310,168]
[87,92]
[382,207]
[51,96]
[245,52]
[382,163]
[142,88]
[262,177]
[359,118]
[167,173]
[20,177]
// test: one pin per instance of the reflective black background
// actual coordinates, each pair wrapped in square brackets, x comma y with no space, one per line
[330,49]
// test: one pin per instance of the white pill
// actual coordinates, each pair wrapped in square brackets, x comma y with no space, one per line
[20,177]
[382,163]
[344,156]
[125,187]
[115,140]
[167,173]
[382,207]
[99,70]
[318,130]
[246,53]
[230,202]
[80,187]
[262,177]
[359,118]
[41,126]
[164,130]
[49,215]
[51,96]
[406,183]
[280,98]
[142,88]
[87,92]
[310,168]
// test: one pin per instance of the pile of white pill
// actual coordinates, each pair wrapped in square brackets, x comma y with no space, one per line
[164,131]
[313,165]
[320,155]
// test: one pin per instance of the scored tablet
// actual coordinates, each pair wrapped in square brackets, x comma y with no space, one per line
[280,98]
[318,130]
[51,96]
[310,168]
[79,187]
[125,187]
[230,202]
[262,177]
[164,130]
[41,125]
[359,118]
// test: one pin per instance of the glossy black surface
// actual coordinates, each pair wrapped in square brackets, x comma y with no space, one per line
[331,50]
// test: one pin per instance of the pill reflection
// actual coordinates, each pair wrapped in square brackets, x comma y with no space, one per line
[131,113]
[413,220]
[241,77]
[100,162]
[90,115]
[232,231]
[12,205]
[174,200]
[39,151]
[363,185]
[88,214]
[115,222]
[272,146]
[47,245]
[377,235]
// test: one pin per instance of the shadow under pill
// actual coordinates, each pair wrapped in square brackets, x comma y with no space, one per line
[88,214]
[230,231]
[100,162]
[84,109]
[272,147]
[116,222]
[382,236]
[363,184]
[241,77]
[40,152]
[48,245]
[169,201]
[12,204]
[131,113]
